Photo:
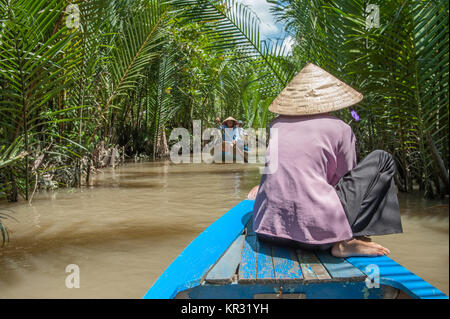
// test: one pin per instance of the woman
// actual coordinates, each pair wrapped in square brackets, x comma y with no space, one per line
[227,127]
[319,198]
[240,135]
[238,131]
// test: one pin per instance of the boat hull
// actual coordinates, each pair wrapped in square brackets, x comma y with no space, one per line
[226,261]
[329,290]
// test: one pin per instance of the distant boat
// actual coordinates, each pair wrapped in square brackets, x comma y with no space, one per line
[227,261]
[230,153]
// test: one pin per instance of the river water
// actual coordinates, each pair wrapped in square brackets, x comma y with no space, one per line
[126,229]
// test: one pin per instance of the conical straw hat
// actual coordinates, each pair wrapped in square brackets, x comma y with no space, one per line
[229,119]
[312,91]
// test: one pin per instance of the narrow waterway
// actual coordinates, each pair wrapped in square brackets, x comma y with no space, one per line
[123,232]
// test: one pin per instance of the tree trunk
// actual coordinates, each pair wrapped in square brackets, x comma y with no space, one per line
[162,149]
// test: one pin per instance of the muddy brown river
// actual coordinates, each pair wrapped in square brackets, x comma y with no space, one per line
[124,231]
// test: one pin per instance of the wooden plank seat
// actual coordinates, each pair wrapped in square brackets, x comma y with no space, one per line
[251,261]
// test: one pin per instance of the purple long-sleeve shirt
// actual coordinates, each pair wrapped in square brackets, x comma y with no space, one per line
[298,201]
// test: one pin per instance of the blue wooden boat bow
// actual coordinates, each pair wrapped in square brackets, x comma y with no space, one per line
[228,261]
[187,270]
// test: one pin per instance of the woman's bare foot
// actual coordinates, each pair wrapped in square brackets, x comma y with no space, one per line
[357,247]
[253,192]
[385,250]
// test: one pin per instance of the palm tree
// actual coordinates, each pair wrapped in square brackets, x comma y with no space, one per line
[133,69]
[400,67]
[37,56]
[71,79]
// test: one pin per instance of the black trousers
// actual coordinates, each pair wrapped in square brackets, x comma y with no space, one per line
[369,198]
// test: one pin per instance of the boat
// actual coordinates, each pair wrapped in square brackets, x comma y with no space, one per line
[230,157]
[230,152]
[227,261]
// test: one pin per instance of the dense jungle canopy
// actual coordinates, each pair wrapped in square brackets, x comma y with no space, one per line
[79,77]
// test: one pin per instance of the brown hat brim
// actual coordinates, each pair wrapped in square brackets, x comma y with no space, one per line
[229,119]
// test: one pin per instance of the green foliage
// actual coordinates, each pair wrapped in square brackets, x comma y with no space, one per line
[127,73]
[135,69]
[400,67]
[37,58]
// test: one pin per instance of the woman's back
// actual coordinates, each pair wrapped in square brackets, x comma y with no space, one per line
[298,201]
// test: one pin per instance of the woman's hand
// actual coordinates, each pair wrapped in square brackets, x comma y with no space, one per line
[253,192]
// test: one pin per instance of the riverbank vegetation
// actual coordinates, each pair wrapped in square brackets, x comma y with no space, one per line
[84,84]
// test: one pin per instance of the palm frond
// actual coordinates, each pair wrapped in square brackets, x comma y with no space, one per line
[233,25]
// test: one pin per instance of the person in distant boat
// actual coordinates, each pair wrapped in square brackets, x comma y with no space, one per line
[319,198]
[238,131]
[240,134]
[227,130]
[227,127]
